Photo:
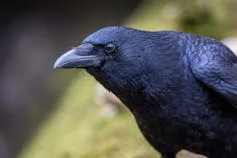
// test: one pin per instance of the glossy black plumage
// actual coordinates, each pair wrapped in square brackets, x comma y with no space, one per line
[181,88]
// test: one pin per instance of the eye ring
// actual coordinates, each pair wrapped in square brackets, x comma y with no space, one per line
[109,48]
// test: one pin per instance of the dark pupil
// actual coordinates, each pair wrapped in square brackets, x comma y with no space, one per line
[109,48]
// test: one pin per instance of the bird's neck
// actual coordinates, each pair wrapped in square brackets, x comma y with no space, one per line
[136,94]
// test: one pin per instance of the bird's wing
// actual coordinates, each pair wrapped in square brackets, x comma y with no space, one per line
[216,67]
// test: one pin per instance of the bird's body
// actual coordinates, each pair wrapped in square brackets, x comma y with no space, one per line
[181,88]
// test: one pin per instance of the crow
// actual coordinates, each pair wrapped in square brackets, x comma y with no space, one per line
[181,88]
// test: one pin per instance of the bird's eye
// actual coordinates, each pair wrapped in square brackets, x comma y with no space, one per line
[109,48]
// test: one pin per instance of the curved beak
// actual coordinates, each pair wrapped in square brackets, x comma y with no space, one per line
[78,57]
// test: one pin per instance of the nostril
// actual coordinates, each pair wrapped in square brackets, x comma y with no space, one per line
[85,48]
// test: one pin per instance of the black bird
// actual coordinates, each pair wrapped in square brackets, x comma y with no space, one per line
[181,88]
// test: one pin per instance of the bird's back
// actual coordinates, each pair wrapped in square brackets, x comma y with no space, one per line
[179,110]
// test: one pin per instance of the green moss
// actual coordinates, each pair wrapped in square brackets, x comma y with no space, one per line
[78,130]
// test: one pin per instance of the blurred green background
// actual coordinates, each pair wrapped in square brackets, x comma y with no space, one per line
[46,113]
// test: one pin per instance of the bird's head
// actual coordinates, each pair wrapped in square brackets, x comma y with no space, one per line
[111,55]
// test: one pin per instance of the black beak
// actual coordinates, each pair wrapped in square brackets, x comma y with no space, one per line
[79,57]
